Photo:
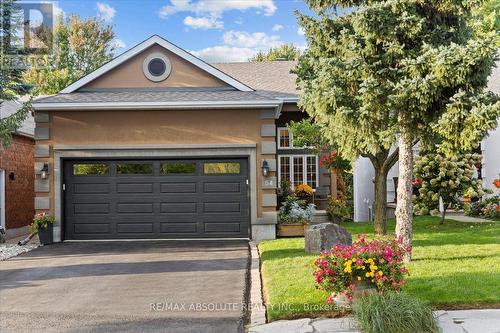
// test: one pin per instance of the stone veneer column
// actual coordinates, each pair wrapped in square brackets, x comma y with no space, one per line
[265,225]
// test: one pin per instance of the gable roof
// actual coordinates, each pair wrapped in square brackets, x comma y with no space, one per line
[273,78]
[155,39]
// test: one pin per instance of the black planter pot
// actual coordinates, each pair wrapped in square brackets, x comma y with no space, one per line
[45,235]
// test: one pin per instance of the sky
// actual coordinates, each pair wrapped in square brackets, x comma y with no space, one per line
[214,30]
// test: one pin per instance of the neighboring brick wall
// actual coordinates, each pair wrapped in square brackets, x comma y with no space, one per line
[19,193]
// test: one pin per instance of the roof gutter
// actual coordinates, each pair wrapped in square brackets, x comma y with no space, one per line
[158,105]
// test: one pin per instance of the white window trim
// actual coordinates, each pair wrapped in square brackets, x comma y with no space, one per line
[290,138]
[304,167]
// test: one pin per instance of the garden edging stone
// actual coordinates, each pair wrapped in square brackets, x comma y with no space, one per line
[258,311]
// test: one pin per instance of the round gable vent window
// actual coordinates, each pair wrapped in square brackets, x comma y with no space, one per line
[156,67]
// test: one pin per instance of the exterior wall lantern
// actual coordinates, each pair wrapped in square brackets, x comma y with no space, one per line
[265,168]
[45,171]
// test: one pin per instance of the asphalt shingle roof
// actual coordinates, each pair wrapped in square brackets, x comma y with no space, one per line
[273,77]
[154,96]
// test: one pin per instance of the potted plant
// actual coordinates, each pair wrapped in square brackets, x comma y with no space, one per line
[349,272]
[42,225]
[293,217]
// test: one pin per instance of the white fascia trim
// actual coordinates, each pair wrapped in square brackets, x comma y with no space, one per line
[144,45]
[156,105]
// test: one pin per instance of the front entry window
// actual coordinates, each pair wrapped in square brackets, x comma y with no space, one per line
[298,169]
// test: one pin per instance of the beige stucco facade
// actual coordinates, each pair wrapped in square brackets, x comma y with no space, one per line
[87,130]
[130,74]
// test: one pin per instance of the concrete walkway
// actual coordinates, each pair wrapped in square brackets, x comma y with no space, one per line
[468,219]
[463,321]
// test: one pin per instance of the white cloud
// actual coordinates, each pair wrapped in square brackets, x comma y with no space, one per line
[225,54]
[250,40]
[277,27]
[238,46]
[106,11]
[118,43]
[239,20]
[301,31]
[216,7]
[203,22]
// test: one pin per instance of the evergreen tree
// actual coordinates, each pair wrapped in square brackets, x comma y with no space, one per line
[398,69]
[11,85]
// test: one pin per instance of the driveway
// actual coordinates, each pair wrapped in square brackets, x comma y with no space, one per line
[149,286]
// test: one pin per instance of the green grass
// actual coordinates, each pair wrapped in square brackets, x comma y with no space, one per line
[455,265]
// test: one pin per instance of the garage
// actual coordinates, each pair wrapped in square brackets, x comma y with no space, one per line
[172,198]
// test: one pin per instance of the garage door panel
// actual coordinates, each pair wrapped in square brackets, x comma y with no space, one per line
[178,200]
[220,187]
[179,228]
[92,188]
[187,187]
[222,207]
[90,208]
[218,227]
[139,227]
[91,228]
[134,208]
[134,188]
[178,207]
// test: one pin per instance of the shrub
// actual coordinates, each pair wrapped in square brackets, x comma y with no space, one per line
[489,207]
[394,312]
[447,177]
[294,210]
[41,221]
[304,192]
[338,209]
[378,262]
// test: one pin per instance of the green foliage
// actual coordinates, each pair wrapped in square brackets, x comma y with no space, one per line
[445,177]
[338,209]
[11,85]
[41,221]
[488,17]
[81,46]
[283,52]
[364,68]
[394,313]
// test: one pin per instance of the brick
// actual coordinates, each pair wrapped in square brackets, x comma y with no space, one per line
[19,193]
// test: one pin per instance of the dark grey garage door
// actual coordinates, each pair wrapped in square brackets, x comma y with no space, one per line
[156,199]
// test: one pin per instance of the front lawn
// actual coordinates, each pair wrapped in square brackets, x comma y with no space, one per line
[455,265]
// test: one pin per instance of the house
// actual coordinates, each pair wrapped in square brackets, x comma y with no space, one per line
[364,196]
[159,144]
[16,175]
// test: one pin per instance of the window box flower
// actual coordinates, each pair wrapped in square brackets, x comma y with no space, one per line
[294,216]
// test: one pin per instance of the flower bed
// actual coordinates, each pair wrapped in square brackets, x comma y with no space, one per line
[378,263]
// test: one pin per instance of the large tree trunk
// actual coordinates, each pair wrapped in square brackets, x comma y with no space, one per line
[404,205]
[380,216]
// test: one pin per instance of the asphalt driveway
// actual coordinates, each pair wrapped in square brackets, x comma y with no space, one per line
[156,286]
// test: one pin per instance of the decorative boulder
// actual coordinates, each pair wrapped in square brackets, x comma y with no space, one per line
[324,236]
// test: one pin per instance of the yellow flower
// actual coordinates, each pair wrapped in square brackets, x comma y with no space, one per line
[359,278]
[380,273]
[367,274]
